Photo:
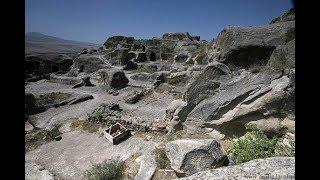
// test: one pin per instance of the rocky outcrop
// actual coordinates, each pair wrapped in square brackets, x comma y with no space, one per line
[206,82]
[87,63]
[216,95]
[244,46]
[266,101]
[269,168]
[191,156]
[283,57]
[119,41]
[176,113]
[147,168]
[287,16]
[177,36]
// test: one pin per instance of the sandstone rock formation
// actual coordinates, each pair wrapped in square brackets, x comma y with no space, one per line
[276,167]
[246,46]
[190,156]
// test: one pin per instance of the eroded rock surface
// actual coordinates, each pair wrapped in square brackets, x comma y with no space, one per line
[190,156]
[275,167]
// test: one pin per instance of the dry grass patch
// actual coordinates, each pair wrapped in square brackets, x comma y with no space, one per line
[162,159]
[86,125]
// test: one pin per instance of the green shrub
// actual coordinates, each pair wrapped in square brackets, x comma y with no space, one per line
[106,171]
[256,145]
[284,150]
[290,34]
[96,115]
[161,158]
[49,135]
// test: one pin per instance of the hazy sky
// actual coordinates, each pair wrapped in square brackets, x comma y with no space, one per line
[96,20]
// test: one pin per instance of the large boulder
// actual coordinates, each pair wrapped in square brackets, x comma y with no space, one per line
[30,105]
[191,156]
[118,80]
[147,168]
[269,168]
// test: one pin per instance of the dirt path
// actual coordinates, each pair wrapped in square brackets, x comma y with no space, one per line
[77,151]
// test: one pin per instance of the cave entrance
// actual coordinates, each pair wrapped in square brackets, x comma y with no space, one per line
[54,68]
[81,69]
[249,56]
[152,56]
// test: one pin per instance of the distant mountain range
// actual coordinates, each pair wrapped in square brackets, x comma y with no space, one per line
[37,43]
